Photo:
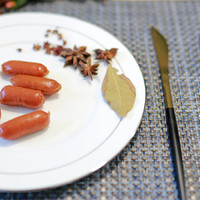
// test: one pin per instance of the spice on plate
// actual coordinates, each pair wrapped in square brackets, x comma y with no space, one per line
[58,50]
[64,42]
[36,47]
[46,45]
[55,32]
[88,69]
[106,55]
[59,36]
[19,49]
[75,56]
[118,91]
[55,50]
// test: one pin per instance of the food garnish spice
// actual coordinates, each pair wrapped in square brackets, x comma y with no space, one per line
[75,56]
[58,50]
[55,32]
[88,69]
[118,91]
[106,55]
[36,47]
[19,49]
[46,45]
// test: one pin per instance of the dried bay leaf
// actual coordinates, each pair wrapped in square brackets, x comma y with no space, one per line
[118,91]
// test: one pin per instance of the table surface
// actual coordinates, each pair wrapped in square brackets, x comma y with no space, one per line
[144,169]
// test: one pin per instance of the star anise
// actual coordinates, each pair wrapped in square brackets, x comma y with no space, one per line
[88,69]
[106,55]
[75,56]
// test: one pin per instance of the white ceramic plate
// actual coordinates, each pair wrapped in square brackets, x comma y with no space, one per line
[84,133]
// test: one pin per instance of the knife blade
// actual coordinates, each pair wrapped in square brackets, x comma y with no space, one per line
[161,48]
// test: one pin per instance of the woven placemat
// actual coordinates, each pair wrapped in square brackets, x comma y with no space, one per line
[144,169]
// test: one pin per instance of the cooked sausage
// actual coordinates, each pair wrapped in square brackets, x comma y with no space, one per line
[15,67]
[45,85]
[25,124]
[19,96]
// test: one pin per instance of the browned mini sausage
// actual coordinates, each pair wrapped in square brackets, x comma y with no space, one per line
[45,85]
[25,124]
[15,67]
[19,96]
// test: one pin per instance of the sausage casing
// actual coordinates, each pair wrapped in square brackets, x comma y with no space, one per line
[15,67]
[19,96]
[25,124]
[45,85]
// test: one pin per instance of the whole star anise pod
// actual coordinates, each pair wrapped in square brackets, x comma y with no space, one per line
[88,69]
[75,56]
[106,55]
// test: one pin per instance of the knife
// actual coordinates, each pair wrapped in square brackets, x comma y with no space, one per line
[161,48]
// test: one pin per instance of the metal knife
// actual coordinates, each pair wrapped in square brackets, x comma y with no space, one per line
[161,48]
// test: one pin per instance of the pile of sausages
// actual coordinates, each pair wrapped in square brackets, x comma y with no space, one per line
[28,89]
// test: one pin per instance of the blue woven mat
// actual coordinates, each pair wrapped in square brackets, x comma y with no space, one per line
[144,170]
